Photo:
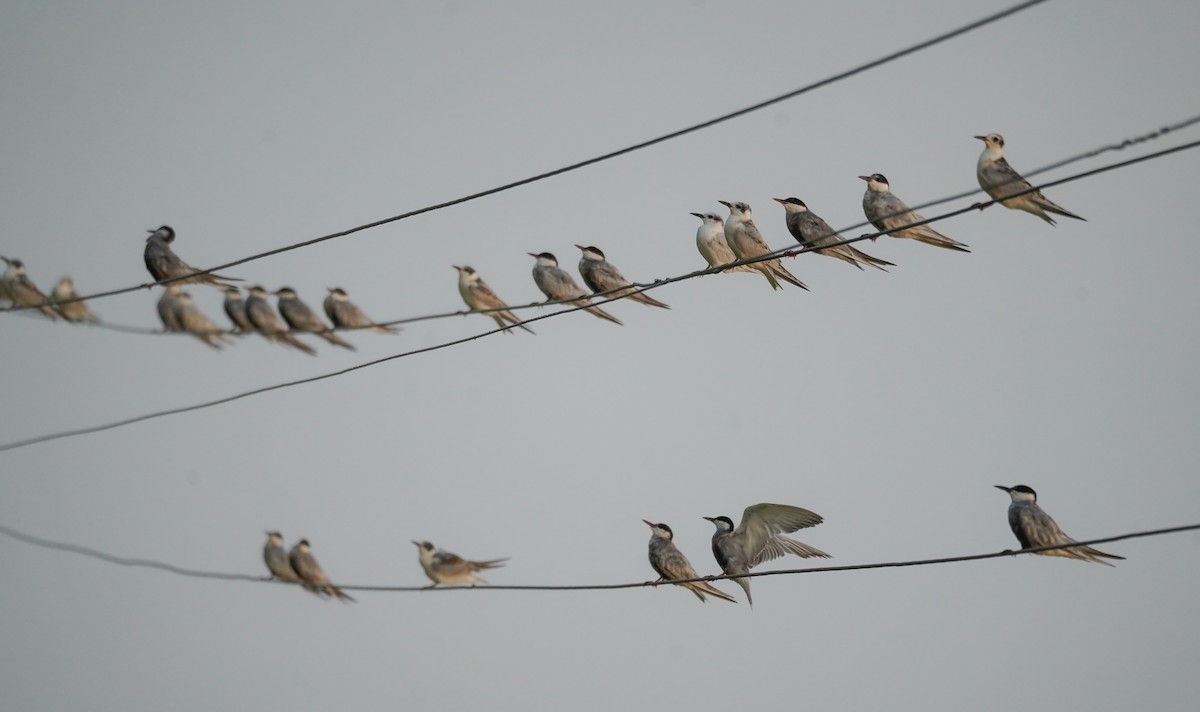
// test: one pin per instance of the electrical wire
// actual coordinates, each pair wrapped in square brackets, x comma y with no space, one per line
[911,49]
[197,573]
[641,287]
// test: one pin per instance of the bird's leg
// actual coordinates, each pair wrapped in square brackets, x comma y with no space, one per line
[980,206]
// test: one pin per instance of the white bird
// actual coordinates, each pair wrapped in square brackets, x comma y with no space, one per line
[21,290]
[72,311]
[811,231]
[268,323]
[710,241]
[746,242]
[345,314]
[478,296]
[888,213]
[999,179]
[557,285]
[163,263]
[1034,528]
[451,569]
[301,317]
[671,565]
[759,538]
[600,275]
[307,568]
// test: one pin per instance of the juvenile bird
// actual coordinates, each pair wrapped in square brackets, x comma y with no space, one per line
[478,296]
[300,317]
[746,242]
[999,179]
[307,568]
[345,314]
[451,569]
[72,311]
[670,563]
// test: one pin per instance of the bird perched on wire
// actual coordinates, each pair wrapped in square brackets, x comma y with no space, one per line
[998,179]
[601,276]
[451,569]
[278,563]
[557,285]
[345,314]
[163,263]
[235,309]
[710,241]
[267,322]
[746,242]
[759,538]
[73,311]
[1034,528]
[300,317]
[670,563]
[169,307]
[193,321]
[478,296]
[306,567]
[889,214]
[813,232]
[21,290]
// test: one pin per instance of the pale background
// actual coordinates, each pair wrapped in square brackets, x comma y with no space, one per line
[891,403]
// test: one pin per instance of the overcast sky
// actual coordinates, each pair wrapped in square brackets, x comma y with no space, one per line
[1058,357]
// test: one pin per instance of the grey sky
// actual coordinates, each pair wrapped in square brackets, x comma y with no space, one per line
[1062,358]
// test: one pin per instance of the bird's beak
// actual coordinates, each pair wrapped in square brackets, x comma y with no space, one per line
[417,543]
[866,178]
[649,523]
[778,200]
[699,215]
[981,138]
[331,289]
[531,255]
[457,267]
[154,231]
[725,203]
[1002,487]
[708,518]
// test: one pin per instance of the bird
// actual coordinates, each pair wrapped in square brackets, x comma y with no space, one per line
[310,572]
[235,309]
[21,290]
[557,285]
[451,569]
[1034,528]
[169,308]
[72,311]
[998,179]
[759,538]
[301,317]
[163,263]
[478,296]
[744,239]
[266,322]
[345,314]
[710,241]
[811,231]
[889,214]
[601,276]
[671,564]
[193,321]
[277,561]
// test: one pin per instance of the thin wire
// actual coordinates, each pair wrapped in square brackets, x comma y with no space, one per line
[596,159]
[787,252]
[1118,146]
[197,573]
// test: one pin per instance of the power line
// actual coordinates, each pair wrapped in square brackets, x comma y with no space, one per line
[197,573]
[786,252]
[936,40]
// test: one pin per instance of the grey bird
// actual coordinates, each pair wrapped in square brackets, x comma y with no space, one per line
[163,263]
[811,231]
[235,309]
[710,241]
[451,569]
[746,242]
[193,321]
[267,322]
[1034,528]
[998,179]
[169,308]
[21,290]
[278,563]
[889,214]
[478,296]
[301,317]
[759,538]
[307,568]
[601,276]
[72,311]
[670,563]
[345,314]
[557,285]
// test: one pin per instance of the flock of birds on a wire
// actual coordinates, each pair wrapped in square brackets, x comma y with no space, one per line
[760,535]
[720,240]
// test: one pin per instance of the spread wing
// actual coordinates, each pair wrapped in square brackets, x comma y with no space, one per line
[762,525]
